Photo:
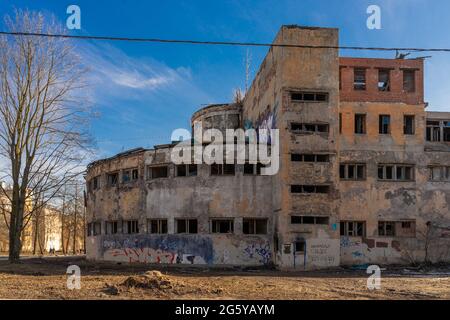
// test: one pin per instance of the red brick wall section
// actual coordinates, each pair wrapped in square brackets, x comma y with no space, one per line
[372,94]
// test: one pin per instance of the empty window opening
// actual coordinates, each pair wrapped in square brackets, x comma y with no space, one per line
[305,189]
[385,124]
[360,123]
[254,226]
[409,80]
[158,172]
[113,179]
[353,228]
[309,127]
[97,228]
[309,96]
[222,226]
[386,228]
[130,175]
[433,131]
[359,79]
[186,170]
[384,81]
[222,169]
[408,125]
[111,227]
[396,172]
[340,122]
[295,157]
[96,183]
[131,226]
[186,226]
[309,220]
[446,130]
[440,173]
[355,171]
[157,226]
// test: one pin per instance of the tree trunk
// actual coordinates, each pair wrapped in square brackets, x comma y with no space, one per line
[16,222]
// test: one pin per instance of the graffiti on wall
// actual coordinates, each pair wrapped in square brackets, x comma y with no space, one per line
[261,251]
[159,249]
[266,120]
[323,252]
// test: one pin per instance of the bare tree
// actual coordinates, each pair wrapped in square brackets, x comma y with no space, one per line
[42,122]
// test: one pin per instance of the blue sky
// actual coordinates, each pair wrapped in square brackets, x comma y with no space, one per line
[144,91]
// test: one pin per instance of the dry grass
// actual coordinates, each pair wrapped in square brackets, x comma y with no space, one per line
[46,279]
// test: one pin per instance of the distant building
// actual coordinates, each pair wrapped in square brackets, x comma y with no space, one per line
[364,173]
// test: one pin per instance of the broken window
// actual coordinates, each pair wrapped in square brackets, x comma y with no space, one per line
[433,131]
[254,226]
[97,228]
[131,226]
[408,125]
[360,123]
[111,227]
[409,80]
[309,127]
[96,183]
[218,169]
[309,96]
[158,172]
[89,229]
[353,228]
[186,226]
[249,169]
[359,79]
[157,226]
[309,220]
[446,130]
[113,179]
[310,157]
[305,189]
[384,83]
[222,226]
[385,124]
[386,228]
[340,122]
[186,170]
[440,173]
[129,175]
[355,171]
[396,172]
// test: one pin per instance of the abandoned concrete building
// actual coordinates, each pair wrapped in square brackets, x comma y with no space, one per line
[364,173]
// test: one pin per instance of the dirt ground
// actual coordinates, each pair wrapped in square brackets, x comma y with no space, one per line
[46,278]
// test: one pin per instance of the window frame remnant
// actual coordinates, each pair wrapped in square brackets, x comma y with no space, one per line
[157,172]
[409,126]
[353,171]
[186,170]
[130,226]
[396,172]
[439,173]
[255,226]
[310,189]
[409,80]
[310,158]
[359,79]
[112,179]
[384,80]
[111,227]
[307,96]
[188,226]
[384,124]
[360,123]
[313,128]
[222,225]
[157,226]
[225,169]
[350,228]
[310,220]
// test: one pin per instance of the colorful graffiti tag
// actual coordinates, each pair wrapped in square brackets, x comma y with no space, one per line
[259,250]
[159,249]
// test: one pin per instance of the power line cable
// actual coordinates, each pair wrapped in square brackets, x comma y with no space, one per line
[227,43]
